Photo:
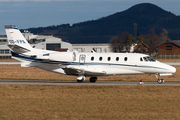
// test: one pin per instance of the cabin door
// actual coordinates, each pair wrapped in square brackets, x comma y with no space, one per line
[82,59]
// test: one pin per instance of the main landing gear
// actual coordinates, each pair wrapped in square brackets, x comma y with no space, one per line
[159,78]
[93,79]
[81,79]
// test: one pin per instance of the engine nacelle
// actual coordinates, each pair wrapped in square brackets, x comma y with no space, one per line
[61,57]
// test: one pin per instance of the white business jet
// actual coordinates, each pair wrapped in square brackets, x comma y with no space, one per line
[83,64]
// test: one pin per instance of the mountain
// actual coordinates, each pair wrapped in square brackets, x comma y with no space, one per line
[146,15]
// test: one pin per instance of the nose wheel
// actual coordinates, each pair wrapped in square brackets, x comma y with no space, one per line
[160,81]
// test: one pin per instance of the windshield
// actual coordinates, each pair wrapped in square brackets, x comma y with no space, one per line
[148,58]
[151,59]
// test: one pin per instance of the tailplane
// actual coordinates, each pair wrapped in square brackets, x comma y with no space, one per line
[16,41]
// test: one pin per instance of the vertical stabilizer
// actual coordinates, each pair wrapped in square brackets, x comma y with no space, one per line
[16,41]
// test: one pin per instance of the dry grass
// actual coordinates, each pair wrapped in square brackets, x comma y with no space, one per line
[8,60]
[32,73]
[21,102]
[29,73]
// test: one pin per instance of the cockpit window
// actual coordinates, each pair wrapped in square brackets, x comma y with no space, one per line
[148,58]
[151,59]
[145,59]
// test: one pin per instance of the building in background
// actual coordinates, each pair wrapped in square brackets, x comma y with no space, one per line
[99,48]
[169,48]
[46,42]
[5,52]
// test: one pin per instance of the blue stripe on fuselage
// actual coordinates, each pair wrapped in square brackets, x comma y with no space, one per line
[77,63]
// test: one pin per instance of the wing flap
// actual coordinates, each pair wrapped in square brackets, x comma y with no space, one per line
[84,71]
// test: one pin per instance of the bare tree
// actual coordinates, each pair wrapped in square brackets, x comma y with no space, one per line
[121,43]
[163,36]
[140,39]
[140,49]
[152,40]
[129,42]
[116,44]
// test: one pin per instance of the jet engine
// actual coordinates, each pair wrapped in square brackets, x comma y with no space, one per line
[61,57]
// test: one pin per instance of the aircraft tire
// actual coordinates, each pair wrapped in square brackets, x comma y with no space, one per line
[80,81]
[160,81]
[93,79]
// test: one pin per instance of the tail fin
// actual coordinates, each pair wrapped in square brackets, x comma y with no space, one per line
[16,41]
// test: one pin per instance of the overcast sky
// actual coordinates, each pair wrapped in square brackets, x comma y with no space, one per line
[41,13]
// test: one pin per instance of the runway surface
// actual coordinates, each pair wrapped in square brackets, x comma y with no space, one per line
[102,83]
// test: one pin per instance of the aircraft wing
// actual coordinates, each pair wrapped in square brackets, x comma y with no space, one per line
[83,71]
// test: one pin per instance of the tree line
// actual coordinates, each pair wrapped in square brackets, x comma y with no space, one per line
[124,42]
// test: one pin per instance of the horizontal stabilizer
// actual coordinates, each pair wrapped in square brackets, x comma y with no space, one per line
[18,49]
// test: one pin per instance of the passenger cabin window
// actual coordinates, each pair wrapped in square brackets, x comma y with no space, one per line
[141,59]
[100,58]
[117,58]
[109,58]
[125,59]
[92,58]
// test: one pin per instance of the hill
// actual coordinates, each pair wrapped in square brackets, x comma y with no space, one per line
[146,15]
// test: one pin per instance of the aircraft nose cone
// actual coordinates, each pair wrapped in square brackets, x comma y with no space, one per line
[173,69]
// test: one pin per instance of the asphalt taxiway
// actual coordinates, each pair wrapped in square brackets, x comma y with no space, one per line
[101,83]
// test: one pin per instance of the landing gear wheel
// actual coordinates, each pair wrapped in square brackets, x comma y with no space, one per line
[160,81]
[81,79]
[93,79]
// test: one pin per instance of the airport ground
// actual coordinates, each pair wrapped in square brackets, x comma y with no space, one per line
[36,102]
[68,102]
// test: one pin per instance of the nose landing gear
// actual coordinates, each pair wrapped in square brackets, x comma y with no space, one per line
[160,81]
[159,78]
